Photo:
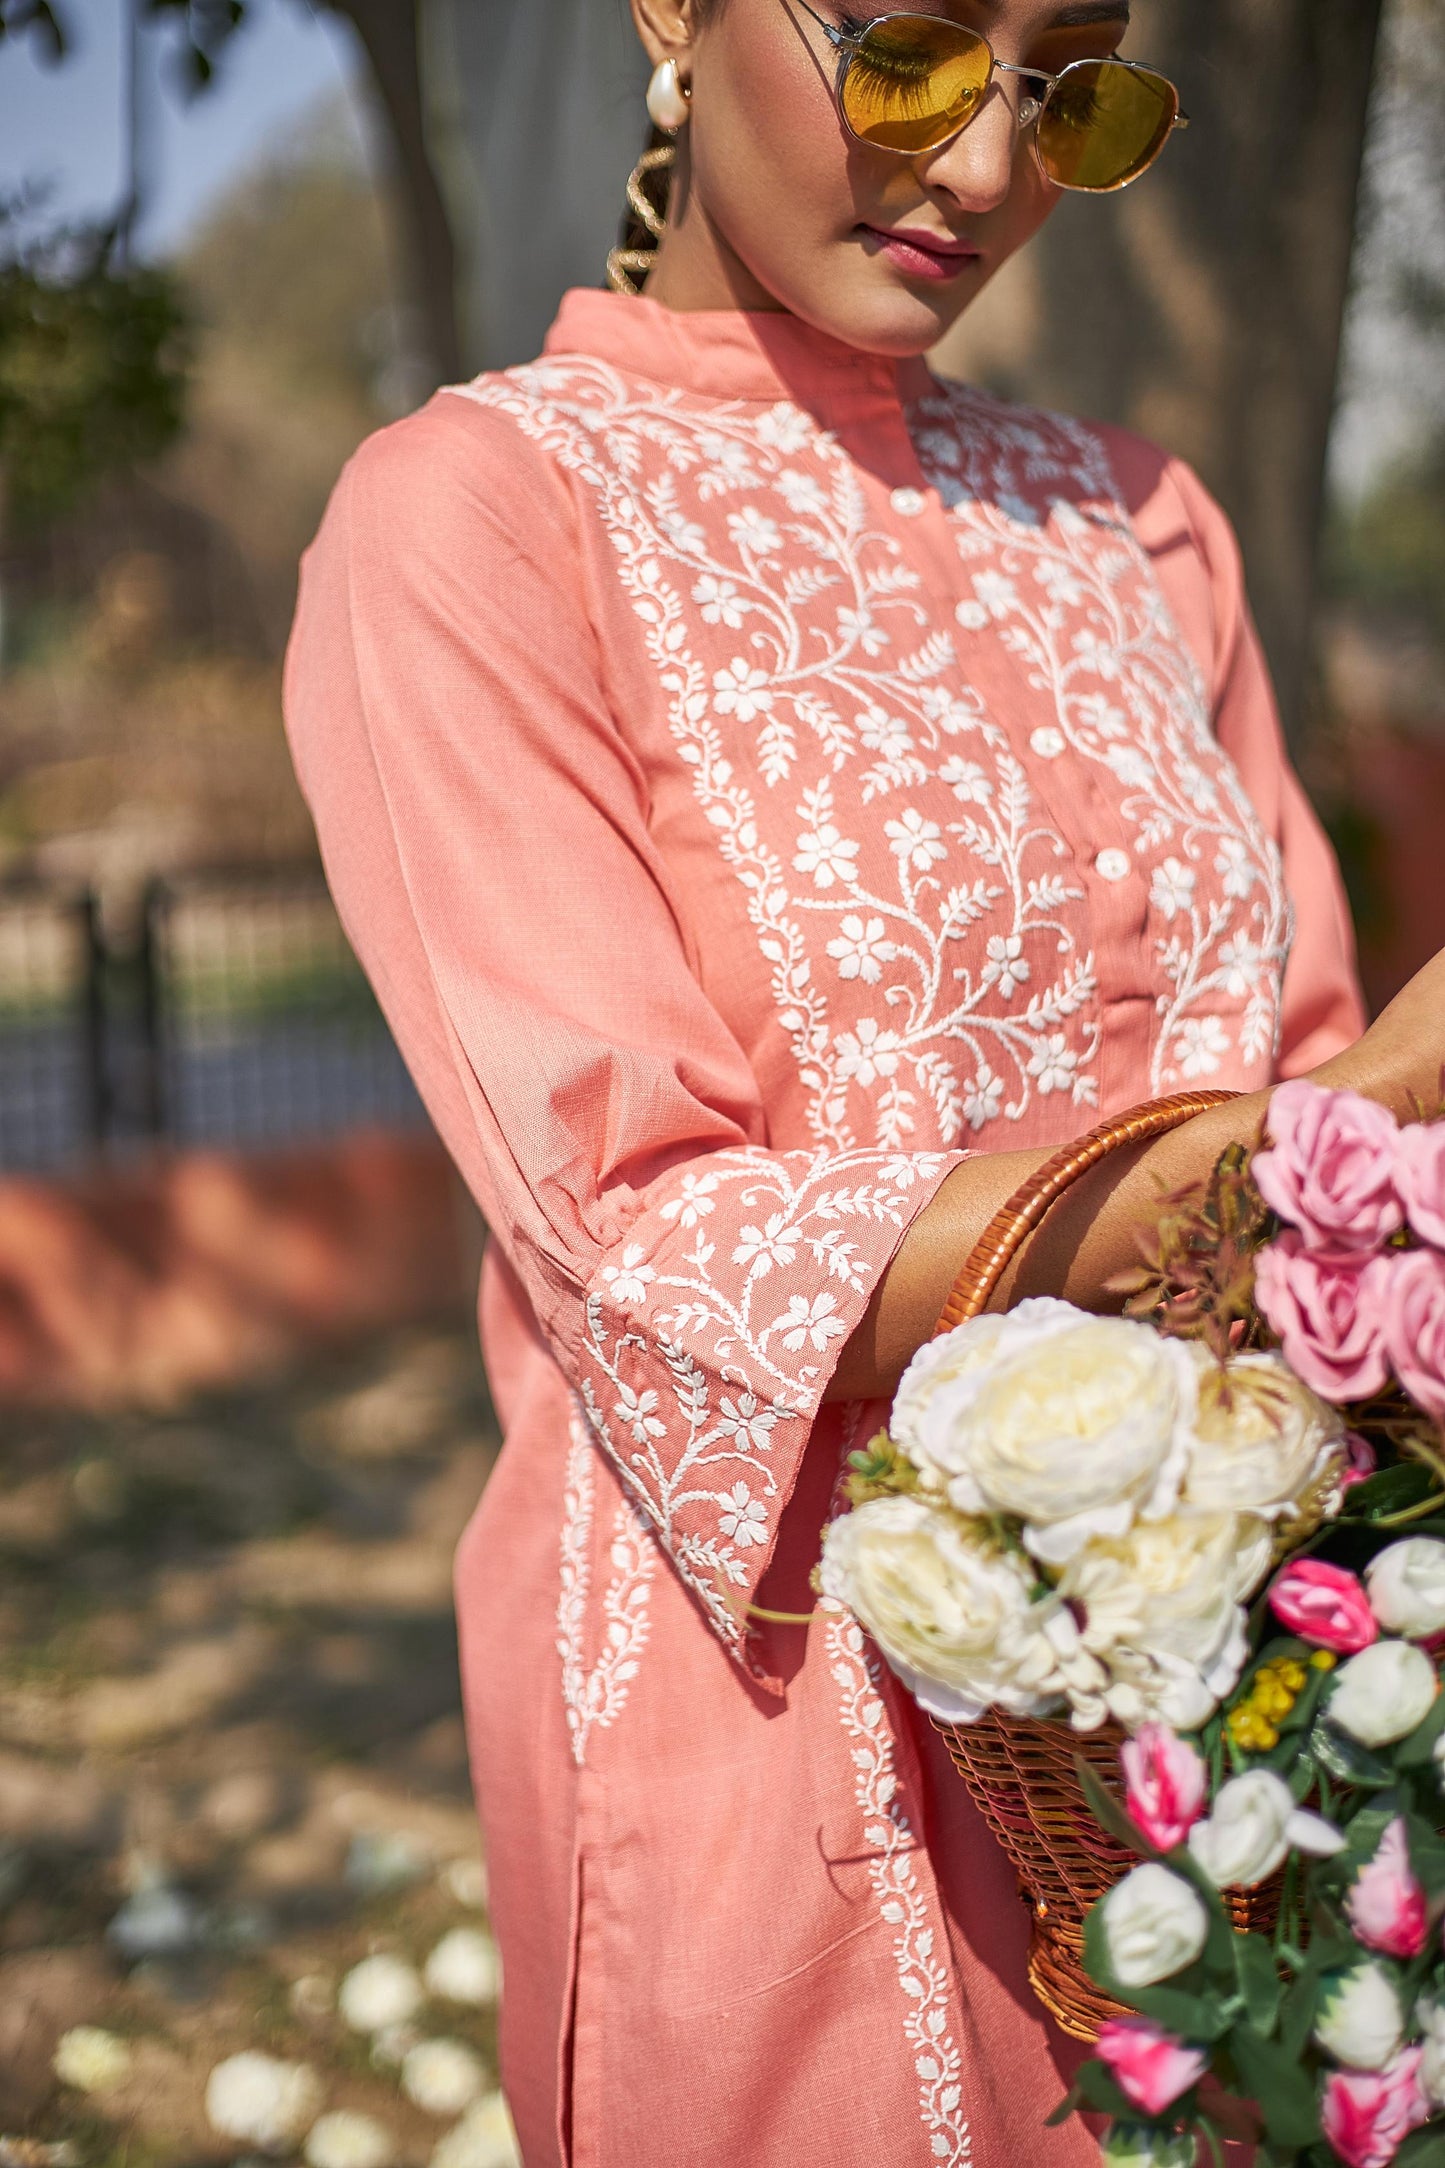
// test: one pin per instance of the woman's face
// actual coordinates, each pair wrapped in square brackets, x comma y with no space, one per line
[777,206]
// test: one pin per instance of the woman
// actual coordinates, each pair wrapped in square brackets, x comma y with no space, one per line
[778,798]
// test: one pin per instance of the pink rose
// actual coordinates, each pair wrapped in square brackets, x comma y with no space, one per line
[1386,1906]
[1420,1179]
[1331,1172]
[1368,2114]
[1330,1314]
[1324,1604]
[1166,1781]
[1415,1327]
[1149,2064]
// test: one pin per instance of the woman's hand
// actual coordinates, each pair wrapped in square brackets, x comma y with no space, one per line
[1401,1057]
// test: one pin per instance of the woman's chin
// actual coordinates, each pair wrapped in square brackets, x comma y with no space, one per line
[871,307]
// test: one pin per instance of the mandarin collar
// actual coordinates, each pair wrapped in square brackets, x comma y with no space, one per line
[733,354]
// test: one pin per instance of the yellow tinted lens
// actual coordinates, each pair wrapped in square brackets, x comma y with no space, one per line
[1104,123]
[914,81]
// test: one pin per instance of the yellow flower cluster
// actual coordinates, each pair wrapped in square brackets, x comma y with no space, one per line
[1253,1724]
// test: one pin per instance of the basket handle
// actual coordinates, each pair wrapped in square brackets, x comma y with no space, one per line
[1016,1220]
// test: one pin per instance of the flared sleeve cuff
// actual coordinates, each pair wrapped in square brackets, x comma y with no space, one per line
[710,1334]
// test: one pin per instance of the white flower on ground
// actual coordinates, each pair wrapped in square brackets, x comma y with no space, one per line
[1406,1585]
[1160,1610]
[91,2060]
[391,2046]
[443,2076]
[343,2139]
[465,1880]
[484,2138]
[1075,1424]
[380,1991]
[261,2101]
[1154,1925]
[1361,2021]
[947,1604]
[1263,1442]
[1383,1693]
[465,1967]
[1253,1823]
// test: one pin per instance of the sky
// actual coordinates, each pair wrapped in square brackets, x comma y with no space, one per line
[62,125]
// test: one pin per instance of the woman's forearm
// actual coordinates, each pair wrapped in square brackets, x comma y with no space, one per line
[1088,1238]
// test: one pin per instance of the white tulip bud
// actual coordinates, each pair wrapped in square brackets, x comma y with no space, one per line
[1154,1925]
[1253,1824]
[1383,1693]
[1361,2021]
[1406,1586]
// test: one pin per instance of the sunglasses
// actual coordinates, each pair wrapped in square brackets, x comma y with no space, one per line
[910,83]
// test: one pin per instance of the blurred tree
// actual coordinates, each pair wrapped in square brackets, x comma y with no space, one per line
[1205,306]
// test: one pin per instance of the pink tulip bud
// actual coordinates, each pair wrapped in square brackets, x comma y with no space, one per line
[1363,1461]
[1386,1906]
[1324,1604]
[1166,1783]
[1149,2065]
[1368,2114]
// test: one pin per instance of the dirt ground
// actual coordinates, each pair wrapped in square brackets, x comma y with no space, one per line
[231,1759]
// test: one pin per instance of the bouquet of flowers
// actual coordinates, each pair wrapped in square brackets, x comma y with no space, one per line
[1209,1536]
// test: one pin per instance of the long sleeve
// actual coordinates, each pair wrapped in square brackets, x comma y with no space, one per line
[485,828]
[1198,561]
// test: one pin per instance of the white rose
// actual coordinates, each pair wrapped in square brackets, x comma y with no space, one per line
[1383,1693]
[1073,1424]
[1252,1824]
[442,2076]
[91,2060]
[484,2138]
[1406,1586]
[1361,2022]
[1154,1925]
[947,1604]
[378,1992]
[1263,1442]
[346,2140]
[465,1967]
[1430,2016]
[1160,1611]
[261,2101]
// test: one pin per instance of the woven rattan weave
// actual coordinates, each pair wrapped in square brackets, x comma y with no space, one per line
[1021,1771]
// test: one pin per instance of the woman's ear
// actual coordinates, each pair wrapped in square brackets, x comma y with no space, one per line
[664,26]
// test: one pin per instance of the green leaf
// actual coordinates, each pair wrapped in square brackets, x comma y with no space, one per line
[1345,1759]
[1392,1490]
[1283,2091]
[1423,2149]
[1259,1981]
[1301,2003]
[1066,2107]
[1415,1751]
[1195,2014]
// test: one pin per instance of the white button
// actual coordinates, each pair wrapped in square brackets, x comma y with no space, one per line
[907,503]
[1047,743]
[1113,865]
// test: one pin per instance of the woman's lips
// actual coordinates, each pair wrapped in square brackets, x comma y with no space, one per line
[923,255]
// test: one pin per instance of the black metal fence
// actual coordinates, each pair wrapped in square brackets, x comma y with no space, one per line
[231,1012]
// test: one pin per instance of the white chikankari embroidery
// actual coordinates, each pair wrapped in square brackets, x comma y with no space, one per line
[809,681]
[919,1948]
[597,1696]
[697,1361]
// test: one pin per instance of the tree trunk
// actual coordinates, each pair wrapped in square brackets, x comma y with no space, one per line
[390,32]
[1204,307]
[535,117]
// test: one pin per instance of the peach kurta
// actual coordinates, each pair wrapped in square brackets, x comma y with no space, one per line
[755,775]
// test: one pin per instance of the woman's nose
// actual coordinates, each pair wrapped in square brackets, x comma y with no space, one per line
[977,167]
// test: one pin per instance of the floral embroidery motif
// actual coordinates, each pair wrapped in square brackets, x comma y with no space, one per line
[811,680]
[698,1360]
[597,1697]
[924,1973]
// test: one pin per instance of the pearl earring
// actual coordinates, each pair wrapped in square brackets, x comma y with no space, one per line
[668,98]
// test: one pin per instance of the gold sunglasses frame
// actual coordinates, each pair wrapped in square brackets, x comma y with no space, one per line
[848,45]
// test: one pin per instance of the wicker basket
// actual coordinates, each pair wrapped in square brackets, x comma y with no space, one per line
[1021,1771]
